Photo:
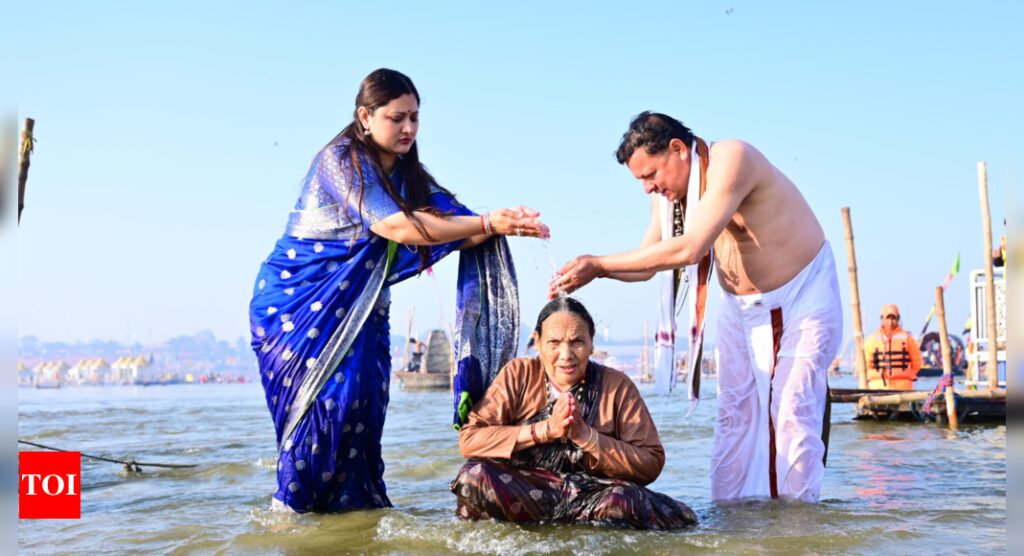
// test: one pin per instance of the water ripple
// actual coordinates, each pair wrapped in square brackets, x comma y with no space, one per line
[889,487]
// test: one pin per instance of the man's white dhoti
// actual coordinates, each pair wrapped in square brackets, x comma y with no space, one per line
[773,354]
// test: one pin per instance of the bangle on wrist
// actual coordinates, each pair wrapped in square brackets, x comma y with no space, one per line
[486,221]
[483,227]
[533,433]
[584,441]
[591,442]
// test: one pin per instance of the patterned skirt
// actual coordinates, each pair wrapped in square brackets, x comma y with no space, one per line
[496,489]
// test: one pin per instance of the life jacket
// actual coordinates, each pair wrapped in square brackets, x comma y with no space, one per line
[893,361]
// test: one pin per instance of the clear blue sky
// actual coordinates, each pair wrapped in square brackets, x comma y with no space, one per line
[172,137]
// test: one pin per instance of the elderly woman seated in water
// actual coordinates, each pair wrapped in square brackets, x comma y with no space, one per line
[561,439]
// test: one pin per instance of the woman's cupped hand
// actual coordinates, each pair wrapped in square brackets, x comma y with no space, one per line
[518,221]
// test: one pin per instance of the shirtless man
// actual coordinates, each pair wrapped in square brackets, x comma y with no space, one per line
[781,314]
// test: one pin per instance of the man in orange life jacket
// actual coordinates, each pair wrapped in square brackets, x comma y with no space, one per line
[893,355]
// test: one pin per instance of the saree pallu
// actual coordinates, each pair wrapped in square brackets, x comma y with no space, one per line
[319,320]
[486,322]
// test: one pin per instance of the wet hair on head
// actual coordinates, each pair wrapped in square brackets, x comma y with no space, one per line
[569,305]
[652,131]
[376,90]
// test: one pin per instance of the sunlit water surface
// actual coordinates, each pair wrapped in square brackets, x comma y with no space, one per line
[895,488]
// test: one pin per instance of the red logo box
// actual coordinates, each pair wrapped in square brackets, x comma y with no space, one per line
[49,485]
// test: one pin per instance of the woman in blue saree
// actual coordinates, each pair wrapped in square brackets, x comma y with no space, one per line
[369,215]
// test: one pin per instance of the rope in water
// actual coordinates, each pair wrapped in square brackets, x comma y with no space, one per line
[130,466]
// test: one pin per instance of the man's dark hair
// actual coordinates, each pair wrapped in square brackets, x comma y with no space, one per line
[652,131]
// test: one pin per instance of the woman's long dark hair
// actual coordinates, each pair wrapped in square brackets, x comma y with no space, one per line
[377,89]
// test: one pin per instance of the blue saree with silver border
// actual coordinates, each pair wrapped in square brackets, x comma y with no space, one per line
[319,324]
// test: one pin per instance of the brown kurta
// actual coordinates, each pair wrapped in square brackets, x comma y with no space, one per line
[628,444]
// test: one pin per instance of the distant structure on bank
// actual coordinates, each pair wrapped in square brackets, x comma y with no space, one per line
[124,371]
[200,358]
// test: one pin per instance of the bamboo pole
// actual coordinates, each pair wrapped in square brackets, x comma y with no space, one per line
[24,153]
[645,365]
[408,336]
[861,364]
[893,399]
[871,400]
[992,363]
[947,358]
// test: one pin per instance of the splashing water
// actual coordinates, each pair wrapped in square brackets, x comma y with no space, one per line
[554,268]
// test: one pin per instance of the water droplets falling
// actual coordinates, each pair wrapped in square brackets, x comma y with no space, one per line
[551,261]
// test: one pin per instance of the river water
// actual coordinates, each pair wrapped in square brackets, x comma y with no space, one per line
[890,487]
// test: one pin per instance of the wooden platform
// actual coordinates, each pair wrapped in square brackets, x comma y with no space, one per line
[908,405]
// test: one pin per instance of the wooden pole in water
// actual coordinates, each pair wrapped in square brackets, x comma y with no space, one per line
[992,363]
[947,358]
[24,152]
[645,366]
[408,336]
[861,364]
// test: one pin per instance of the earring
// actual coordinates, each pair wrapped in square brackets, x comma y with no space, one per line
[366,131]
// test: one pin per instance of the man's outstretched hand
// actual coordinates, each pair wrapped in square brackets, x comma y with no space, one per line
[575,274]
